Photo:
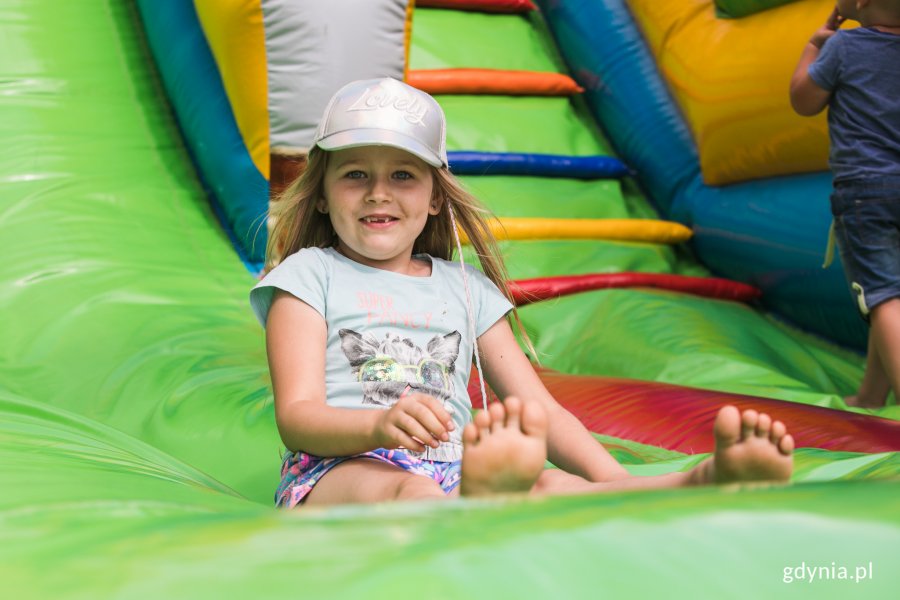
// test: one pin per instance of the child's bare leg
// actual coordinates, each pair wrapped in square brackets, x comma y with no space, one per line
[366,481]
[504,449]
[749,447]
[875,386]
[885,331]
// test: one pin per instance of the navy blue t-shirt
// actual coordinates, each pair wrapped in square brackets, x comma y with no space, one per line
[861,67]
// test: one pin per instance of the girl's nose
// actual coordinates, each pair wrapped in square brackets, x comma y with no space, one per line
[379,191]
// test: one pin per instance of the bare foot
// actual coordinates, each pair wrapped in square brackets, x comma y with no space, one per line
[504,449]
[749,447]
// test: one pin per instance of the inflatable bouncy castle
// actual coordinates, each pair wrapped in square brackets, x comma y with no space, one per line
[664,217]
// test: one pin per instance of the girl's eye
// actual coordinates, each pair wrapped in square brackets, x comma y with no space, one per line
[403,175]
[355,175]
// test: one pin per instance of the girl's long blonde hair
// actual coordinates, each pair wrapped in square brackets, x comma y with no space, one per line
[297,223]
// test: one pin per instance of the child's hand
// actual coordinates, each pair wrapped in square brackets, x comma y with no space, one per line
[415,421]
[827,30]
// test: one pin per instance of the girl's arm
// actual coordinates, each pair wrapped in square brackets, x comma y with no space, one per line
[570,445]
[295,342]
[807,98]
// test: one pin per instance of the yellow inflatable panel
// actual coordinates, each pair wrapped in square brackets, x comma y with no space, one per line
[234,30]
[627,230]
[731,79]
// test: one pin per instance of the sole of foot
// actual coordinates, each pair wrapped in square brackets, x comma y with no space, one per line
[504,449]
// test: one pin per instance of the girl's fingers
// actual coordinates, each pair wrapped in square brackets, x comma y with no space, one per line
[439,411]
[402,438]
[430,421]
[422,417]
[409,442]
[413,428]
[433,407]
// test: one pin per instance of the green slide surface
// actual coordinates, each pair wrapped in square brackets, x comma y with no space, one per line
[138,450]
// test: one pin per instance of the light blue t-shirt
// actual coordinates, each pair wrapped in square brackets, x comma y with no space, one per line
[389,332]
[861,67]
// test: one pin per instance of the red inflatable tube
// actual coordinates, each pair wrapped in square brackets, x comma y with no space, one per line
[526,291]
[495,6]
[493,81]
[681,418]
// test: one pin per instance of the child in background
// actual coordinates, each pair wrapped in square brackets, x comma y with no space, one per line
[372,330]
[856,74]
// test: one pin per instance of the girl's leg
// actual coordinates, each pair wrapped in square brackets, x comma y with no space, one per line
[749,447]
[505,449]
[366,481]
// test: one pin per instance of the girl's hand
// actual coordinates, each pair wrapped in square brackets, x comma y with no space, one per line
[827,30]
[415,421]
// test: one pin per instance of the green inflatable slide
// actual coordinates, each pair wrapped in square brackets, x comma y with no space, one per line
[138,450]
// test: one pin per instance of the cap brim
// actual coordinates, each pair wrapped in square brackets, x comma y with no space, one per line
[355,138]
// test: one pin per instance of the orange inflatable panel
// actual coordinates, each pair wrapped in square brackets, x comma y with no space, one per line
[498,6]
[493,81]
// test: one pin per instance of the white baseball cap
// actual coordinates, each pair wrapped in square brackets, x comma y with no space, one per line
[384,112]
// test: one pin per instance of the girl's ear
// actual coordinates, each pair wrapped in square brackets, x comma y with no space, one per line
[434,208]
[322,206]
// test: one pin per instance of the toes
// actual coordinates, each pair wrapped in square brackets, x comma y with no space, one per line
[748,423]
[498,415]
[534,420]
[763,425]
[482,422]
[786,446]
[513,408]
[778,431]
[727,428]
[470,435]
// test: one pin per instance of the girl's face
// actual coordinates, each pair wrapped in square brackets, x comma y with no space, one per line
[378,199]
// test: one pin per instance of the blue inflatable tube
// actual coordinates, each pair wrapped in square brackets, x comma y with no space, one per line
[536,165]
[770,233]
[240,193]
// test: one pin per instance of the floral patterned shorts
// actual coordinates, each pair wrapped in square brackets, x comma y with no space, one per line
[301,471]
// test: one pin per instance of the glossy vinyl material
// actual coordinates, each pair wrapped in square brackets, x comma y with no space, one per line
[186,65]
[138,451]
[770,232]
[526,291]
[536,165]
[493,81]
[742,8]
[728,77]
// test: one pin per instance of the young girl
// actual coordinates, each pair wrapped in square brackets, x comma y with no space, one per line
[372,329]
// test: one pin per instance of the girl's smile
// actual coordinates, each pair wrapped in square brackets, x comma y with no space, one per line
[378,221]
[378,199]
